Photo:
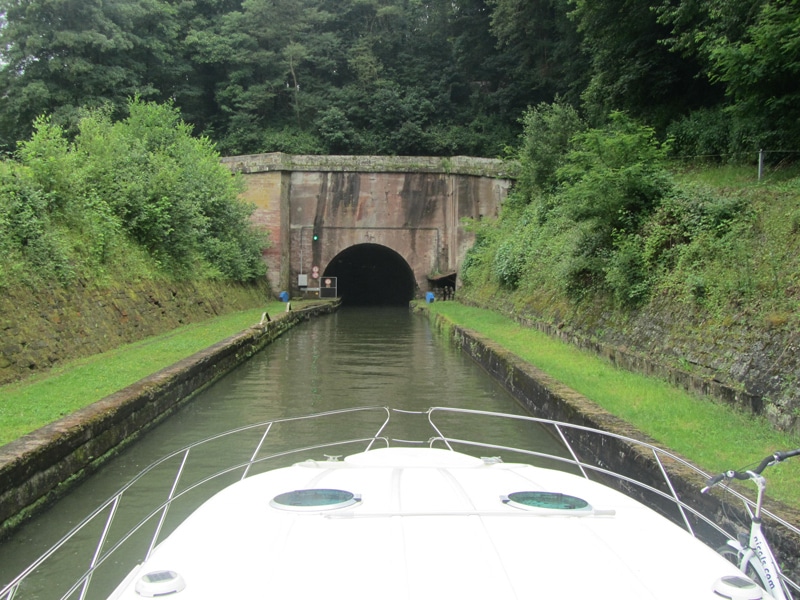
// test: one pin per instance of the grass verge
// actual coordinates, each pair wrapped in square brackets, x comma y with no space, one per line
[713,436]
[37,401]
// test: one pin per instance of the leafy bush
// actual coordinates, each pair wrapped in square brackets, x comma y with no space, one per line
[336,131]
[476,266]
[51,164]
[548,129]
[291,140]
[509,262]
[612,180]
[615,174]
[577,222]
[626,272]
[698,231]
[27,233]
[704,134]
[170,192]
[142,182]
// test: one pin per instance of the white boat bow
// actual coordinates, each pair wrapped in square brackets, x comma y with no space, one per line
[421,523]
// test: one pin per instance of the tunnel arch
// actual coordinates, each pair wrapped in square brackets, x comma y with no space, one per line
[372,274]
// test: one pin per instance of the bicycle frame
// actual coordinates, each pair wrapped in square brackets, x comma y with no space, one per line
[757,554]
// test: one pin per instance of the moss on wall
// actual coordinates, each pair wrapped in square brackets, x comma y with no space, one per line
[45,327]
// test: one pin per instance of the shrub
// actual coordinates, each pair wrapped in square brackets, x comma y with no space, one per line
[291,140]
[548,129]
[27,233]
[170,192]
[611,181]
[509,261]
[626,272]
[475,268]
[703,134]
[67,208]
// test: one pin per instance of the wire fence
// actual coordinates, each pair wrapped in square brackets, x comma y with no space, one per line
[760,157]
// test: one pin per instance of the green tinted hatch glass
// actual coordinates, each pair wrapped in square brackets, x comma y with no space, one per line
[314,499]
[551,500]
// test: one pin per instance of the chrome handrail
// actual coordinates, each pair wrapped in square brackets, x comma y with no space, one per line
[628,440]
[561,430]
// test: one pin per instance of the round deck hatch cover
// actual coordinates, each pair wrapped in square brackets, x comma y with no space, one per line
[547,500]
[735,587]
[314,499]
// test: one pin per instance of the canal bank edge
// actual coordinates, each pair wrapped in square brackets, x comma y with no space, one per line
[544,397]
[42,466]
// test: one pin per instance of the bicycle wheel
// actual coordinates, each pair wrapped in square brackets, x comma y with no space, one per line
[731,554]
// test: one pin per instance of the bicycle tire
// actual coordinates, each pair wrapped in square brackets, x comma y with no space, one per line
[730,554]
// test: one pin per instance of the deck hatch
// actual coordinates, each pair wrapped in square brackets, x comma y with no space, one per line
[314,499]
[159,583]
[546,500]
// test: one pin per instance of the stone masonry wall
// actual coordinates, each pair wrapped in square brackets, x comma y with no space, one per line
[411,205]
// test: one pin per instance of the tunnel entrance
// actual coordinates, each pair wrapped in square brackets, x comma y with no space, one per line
[371,274]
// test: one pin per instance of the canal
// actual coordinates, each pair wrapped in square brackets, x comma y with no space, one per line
[362,356]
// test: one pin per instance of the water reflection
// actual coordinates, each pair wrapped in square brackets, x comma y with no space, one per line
[356,357]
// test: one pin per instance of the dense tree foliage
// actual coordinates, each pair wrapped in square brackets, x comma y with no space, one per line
[408,76]
[124,190]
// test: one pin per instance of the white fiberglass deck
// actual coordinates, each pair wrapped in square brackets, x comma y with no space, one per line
[430,523]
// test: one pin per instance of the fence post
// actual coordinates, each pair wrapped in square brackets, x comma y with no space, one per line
[760,164]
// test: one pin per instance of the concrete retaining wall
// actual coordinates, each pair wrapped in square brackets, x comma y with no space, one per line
[44,465]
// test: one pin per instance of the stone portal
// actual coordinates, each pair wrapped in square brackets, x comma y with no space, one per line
[390,227]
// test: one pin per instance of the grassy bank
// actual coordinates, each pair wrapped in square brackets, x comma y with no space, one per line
[713,436]
[40,400]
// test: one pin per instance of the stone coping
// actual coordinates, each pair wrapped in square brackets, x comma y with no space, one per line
[459,165]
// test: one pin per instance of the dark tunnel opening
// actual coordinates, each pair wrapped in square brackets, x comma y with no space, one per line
[371,274]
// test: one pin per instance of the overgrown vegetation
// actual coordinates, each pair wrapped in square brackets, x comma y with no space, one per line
[599,215]
[46,397]
[137,197]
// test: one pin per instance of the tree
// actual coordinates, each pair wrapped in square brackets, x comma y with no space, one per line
[631,68]
[751,50]
[62,55]
[761,71]
[542,47]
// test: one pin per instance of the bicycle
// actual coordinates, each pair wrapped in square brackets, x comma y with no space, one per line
[752,553]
